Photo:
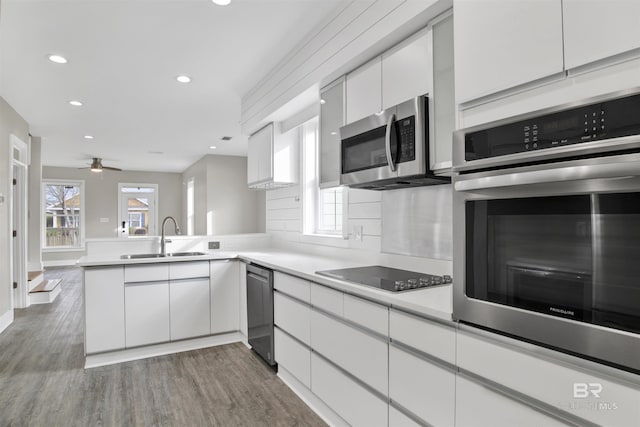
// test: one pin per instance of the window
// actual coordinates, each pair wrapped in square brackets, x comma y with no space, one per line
[137,209]
[63,217]
[323,208]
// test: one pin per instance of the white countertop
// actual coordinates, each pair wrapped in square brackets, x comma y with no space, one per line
[433,302]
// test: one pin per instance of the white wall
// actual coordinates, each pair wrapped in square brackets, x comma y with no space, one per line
[10,123]
[34,223]
[223,202]
[101,200]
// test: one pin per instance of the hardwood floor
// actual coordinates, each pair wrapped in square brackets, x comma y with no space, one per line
[43,383]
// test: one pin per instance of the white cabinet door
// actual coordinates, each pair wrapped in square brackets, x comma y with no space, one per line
[479,406]
[189,308]
[353,402]
[104,309]
[292,317]
[327,299]
[260,154]
[501,44]
[363,355]
[332,115]
[147,313]
[292,356]
[292,286]
[225,296]
[429,337]
[368,314]
[243,299]
[596,29]
[425,389]
[407,70]
[364,91]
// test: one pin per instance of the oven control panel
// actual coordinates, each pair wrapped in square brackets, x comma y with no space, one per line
[406,129]
[603,120]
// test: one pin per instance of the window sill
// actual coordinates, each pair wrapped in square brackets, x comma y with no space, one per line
[64,249]
[334,240]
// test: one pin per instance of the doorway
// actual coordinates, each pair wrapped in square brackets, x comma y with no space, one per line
[137,209]
[18,222]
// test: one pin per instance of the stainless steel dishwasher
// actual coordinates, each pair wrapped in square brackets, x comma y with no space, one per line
[260,311]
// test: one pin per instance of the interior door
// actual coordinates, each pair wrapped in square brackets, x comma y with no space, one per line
[137,216]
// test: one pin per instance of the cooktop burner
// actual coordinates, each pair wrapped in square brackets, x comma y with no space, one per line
[389,279]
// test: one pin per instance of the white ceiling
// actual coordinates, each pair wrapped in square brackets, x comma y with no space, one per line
[124,56]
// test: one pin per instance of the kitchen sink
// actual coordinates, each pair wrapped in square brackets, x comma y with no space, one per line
[175,254]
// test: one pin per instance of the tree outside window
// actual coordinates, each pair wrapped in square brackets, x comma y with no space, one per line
[63,214]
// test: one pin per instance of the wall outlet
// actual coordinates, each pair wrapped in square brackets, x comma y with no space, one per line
[357,232]
[214,245]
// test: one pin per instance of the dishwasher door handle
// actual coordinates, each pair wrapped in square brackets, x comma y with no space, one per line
[256,277]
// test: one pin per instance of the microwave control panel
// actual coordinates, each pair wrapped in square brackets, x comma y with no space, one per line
[406,129]
[603,120]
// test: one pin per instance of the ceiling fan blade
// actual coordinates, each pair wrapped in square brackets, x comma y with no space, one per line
[112,169]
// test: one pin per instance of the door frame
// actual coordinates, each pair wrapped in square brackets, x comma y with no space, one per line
[18,209]
[154,214]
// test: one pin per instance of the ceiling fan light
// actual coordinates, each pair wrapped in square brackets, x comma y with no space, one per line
[96,169]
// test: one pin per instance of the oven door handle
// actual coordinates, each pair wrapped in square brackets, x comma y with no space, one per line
[389,135]
[570,173]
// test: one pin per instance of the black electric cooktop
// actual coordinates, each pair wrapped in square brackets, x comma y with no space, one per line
[388,279]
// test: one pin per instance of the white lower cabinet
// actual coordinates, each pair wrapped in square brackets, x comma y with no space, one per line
[225,296]
[292,316]
[479,406]
[189,308]
[425,389]
[104,309]
[243,299]
[349,399]
[146,313]
[398,419]
[293,356]
[357,352]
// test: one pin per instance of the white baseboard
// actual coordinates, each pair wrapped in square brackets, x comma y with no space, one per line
[35,266]
[60,263]
[102,359]
[318,406]
[5,320]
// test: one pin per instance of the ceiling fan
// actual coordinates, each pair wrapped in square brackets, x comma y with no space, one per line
[96,166]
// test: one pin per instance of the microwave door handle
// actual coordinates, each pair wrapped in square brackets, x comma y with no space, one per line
[387,142]
[570,173]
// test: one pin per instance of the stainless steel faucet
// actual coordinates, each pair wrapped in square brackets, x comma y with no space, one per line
[163,241]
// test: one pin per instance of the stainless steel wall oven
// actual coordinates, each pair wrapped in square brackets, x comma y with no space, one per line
[547,228]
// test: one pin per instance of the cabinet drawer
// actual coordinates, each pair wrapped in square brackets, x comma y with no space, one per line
[478,406]
[327,299]
[353,402]
[428,337]
[368,314]
[423,388]
[540,378]
[104,309]
[188,270]
[357,352]
[292,316]
[398,419]
[146,272]
[293,356]
[293,286]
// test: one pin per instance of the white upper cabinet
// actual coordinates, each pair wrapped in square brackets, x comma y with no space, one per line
[501,44]
[597,29]
[407,70]
[272,158]
[332,117]
[364,91]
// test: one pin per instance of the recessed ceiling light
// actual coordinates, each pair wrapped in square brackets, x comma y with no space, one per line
[76,103]
[221,2]
[183,79]
[58,59]
[213,147]
[88,137]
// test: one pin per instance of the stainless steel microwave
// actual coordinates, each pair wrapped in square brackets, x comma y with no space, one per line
[546,215]
[389,149]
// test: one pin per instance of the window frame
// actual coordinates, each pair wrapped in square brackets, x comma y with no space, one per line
[81,215]
[153,213]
